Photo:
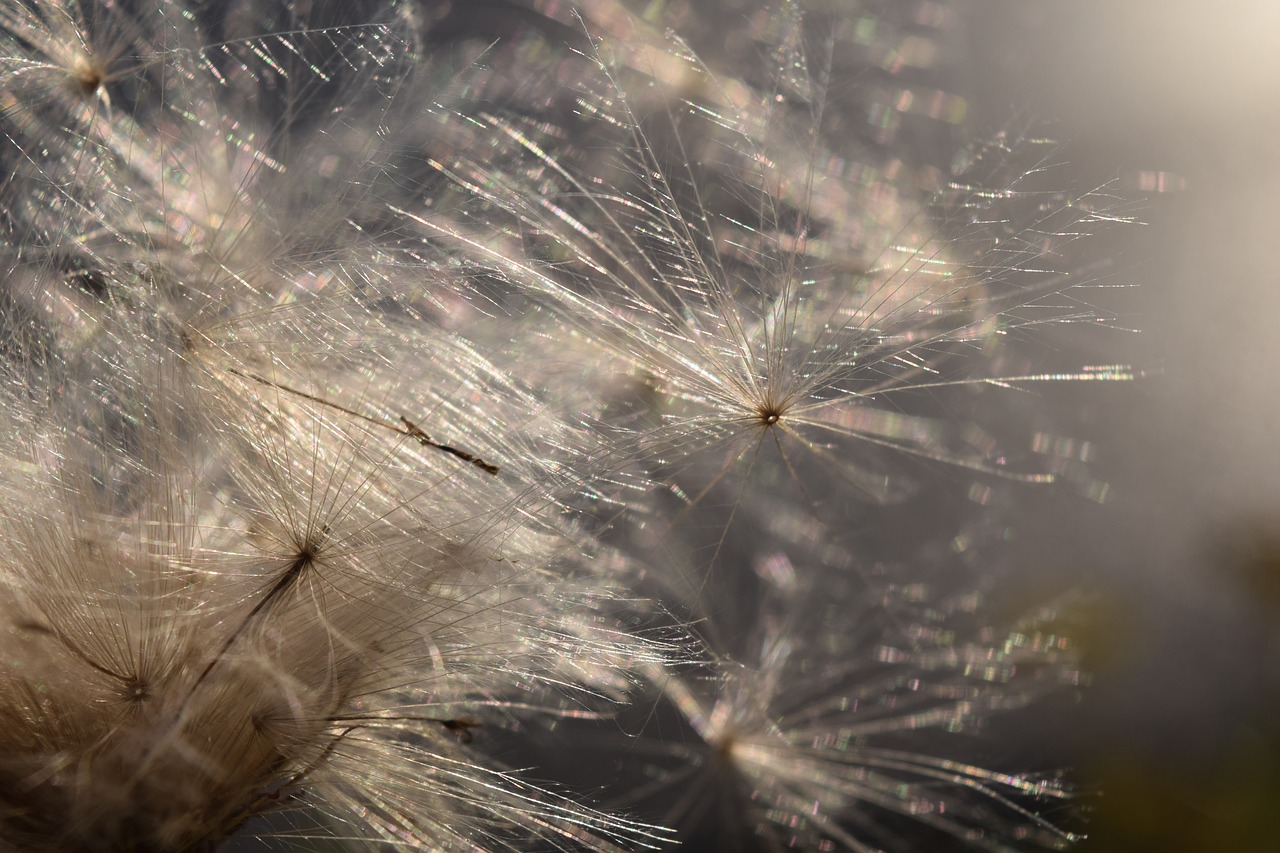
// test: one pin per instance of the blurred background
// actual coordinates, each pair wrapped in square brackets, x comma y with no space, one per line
[1181,106]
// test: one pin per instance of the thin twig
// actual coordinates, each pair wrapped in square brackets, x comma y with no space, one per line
[405,427]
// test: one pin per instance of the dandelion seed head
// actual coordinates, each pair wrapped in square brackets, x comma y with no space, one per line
[386,399]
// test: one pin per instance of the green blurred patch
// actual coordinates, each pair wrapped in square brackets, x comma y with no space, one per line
[1163,805]
[1173,802]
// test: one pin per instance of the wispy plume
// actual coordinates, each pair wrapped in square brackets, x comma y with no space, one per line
[807,739]
[718,262]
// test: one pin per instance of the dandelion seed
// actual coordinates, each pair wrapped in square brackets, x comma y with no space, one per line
[70,53]
[748,320]
[801,745]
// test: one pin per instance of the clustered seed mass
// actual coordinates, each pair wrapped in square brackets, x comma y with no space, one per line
[398,393]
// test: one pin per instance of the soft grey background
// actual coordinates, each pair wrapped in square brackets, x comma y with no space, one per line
[1183,557]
